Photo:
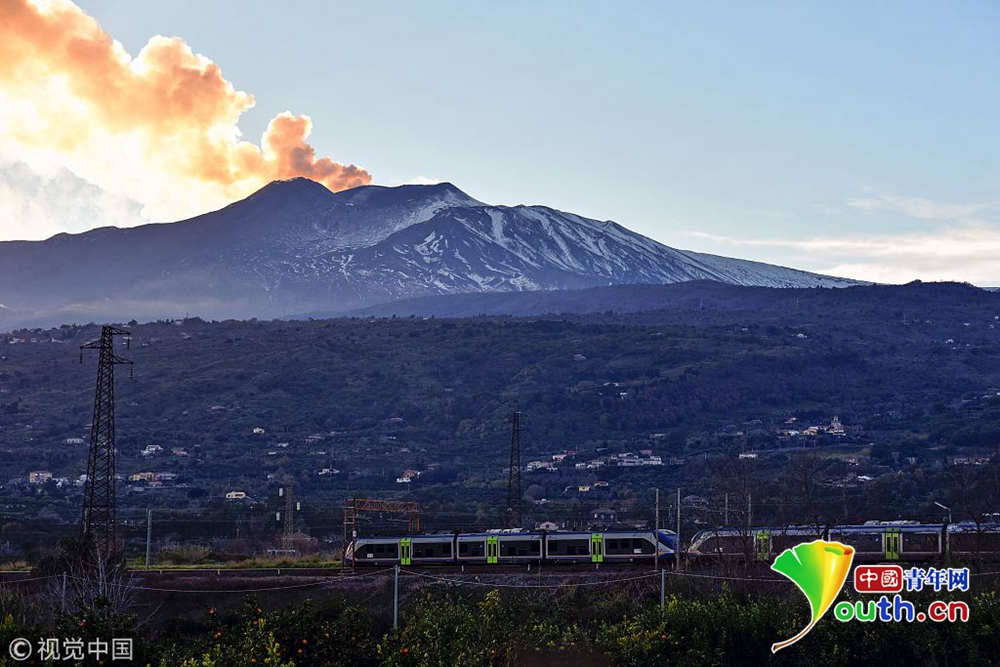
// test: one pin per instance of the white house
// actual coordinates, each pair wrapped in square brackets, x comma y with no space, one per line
[39,476]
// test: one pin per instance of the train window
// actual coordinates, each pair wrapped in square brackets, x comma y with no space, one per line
[472,549]
[432,549]
[863,542]
[920,542]
[520,548]
[631,546]
[569,547]
[972,543]
[379,550]
[782,541]
[726,544]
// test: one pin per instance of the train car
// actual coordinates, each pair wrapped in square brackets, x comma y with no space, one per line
[519,547]
[747,544]
[572,547]
[666,545]
[609,546]
[426,549]
[887,541]
[373,551]
[873,542]
[476,549]
[498,546]
[628,547]
[969,542]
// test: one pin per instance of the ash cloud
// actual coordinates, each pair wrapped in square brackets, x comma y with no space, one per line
[160,128]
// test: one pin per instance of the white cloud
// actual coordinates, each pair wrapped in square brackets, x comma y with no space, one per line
[419,180]
[921,208]
[968,253]
[35,205]
[160,127]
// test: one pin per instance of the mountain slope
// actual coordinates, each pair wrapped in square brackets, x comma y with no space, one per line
[704,299]
[295,247]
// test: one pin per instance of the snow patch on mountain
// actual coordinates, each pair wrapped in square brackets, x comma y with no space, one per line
[294,246]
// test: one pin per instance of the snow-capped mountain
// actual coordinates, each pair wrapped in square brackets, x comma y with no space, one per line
[295,247]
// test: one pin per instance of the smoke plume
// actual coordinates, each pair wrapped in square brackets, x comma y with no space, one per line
[159,128]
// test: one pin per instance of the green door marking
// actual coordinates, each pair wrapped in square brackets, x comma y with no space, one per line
[597,548]
[892,540]
[492,549]
[763,545]
[404,551]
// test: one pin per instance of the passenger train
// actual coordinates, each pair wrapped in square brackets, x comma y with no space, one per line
[874,541]
[513,547]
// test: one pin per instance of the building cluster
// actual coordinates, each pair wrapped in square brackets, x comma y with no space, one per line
[156,450]
[626,460]
[969,460]
[152,479]
[791,429]
[587,488]
[408,476]
[41,477]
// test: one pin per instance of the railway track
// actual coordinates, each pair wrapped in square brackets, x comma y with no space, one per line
[535,569]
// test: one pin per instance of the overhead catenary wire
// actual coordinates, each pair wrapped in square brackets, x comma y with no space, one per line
[325,581]
[24,581]
[216,591]
[565,584]
[322,582]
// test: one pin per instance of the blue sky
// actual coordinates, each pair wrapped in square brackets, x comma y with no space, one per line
[856,138]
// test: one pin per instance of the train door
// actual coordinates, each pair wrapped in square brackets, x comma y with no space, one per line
[492,549]
[762,545]
[597,548]
[405,552]
[892,543]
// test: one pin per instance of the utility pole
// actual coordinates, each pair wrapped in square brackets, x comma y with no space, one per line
[663,587]
[149,536]
[749,510]
[726,522]
[515,514]
[680,547]
[395,597]
[289,528]
[98,521]
[656,532]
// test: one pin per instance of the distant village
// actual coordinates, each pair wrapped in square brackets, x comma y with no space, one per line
[790,433]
